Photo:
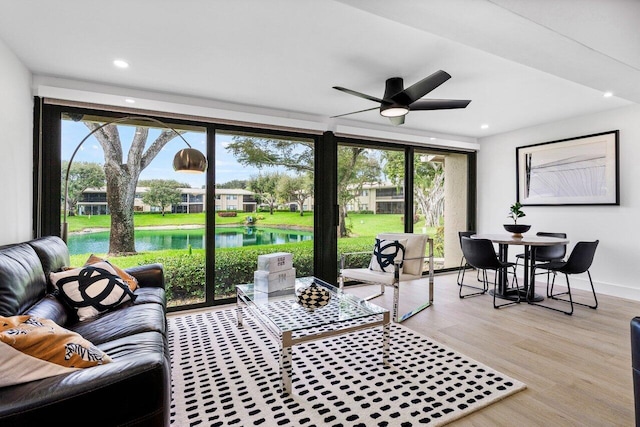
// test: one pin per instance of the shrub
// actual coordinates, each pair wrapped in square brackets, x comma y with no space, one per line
[227,213]
[236,265]
[366,212]
[184,275]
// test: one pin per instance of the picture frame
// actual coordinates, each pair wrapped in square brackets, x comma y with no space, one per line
[574,171]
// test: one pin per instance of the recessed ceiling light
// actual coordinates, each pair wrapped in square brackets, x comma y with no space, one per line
[130,101]
[485,126]
[432,138]
[607,94]
[120,63]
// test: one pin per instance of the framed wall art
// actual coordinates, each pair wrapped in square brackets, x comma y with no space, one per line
[574,171]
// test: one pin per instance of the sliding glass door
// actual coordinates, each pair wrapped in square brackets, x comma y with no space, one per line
[125,203]
[264,202]
[440,200]
[265,191]
[370,196]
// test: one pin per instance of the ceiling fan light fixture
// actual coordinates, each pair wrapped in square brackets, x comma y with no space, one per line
[393,110]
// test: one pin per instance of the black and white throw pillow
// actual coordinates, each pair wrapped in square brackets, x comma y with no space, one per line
[92,289]
[386,253]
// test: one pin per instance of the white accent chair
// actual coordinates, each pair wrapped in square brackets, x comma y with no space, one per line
[412,267]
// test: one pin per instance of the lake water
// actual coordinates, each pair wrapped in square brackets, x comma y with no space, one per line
[153,240]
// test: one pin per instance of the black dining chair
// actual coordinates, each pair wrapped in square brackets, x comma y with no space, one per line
[463,262]
[480,254]
[579,261]
[547,253]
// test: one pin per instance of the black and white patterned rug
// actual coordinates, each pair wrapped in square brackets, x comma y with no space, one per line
[228,376]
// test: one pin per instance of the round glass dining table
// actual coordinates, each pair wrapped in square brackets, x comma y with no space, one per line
[529,243]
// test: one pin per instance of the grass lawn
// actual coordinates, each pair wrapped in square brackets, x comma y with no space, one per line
[84,222]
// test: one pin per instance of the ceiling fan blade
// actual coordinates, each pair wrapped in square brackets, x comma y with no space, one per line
[397,121]
[361,111]
[420,89]
[439,104]
[360,95]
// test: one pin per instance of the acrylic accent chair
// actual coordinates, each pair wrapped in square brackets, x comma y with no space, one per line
[579,262]
[481,254]
[397,258]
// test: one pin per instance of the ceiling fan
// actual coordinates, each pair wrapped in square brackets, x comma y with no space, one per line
[398,101]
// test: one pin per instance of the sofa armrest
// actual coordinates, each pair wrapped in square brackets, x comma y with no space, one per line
[149,275]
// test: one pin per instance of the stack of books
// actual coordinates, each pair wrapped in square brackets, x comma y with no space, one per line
[275,272]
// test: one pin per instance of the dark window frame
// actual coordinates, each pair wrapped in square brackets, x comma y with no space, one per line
[47,181]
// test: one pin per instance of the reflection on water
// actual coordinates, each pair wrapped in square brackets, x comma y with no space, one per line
[153,240]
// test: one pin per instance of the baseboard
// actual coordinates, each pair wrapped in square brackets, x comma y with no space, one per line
[602,288]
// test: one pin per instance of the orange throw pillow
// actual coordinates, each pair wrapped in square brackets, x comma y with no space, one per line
[32,348]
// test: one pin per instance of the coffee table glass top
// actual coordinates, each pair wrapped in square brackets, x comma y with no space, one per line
[283,311]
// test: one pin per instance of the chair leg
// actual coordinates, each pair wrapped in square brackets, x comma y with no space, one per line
[553,296]
[593,291]
[460,281]
[483,290]
[461,271]
[495,289]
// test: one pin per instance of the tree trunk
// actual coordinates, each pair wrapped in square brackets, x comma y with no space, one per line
[122,179]
[121,190]
[343,225]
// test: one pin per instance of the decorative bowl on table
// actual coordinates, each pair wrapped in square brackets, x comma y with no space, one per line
[517,229]
[313,296]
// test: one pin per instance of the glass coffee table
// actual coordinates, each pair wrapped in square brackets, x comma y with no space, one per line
[290,323]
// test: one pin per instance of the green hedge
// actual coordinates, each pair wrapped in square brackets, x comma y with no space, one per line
[185,272]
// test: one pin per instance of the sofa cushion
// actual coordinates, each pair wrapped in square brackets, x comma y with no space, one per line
[150,295]
[92,289]
[32,348]
[135,389]
[52,308]
[22,280]
[126,320]
[52,251]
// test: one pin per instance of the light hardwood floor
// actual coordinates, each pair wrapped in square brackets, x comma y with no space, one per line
[577,368]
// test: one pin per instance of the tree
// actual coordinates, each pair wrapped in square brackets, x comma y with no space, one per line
[163,193]
[354,166]
[266,189]
[122,178]
[261,153]
[297,188]
[150,182]
[82,175]
[234,183]
[428,180]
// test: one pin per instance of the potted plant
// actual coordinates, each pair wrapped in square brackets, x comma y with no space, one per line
[515,212]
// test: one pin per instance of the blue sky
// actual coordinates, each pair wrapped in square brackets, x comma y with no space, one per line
[226,168]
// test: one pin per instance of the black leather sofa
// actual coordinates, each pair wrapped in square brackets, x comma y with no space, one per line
[635,364]
[133,390]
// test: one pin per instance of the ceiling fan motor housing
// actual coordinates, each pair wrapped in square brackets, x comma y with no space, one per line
[390,107]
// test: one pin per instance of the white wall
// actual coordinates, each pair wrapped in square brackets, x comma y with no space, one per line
[615,269]
[16,149]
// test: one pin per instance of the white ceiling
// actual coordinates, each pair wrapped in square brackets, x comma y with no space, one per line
[521,62]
